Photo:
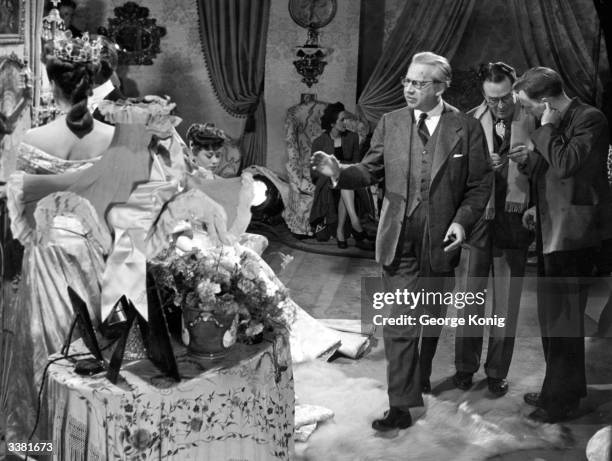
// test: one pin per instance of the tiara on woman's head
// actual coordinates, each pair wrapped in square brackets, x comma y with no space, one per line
[81,49]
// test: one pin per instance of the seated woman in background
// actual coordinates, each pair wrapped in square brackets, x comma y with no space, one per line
[328,209]
[205,148]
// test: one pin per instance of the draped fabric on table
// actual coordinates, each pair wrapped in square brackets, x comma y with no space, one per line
[446,21]
[550,35]
[234,36]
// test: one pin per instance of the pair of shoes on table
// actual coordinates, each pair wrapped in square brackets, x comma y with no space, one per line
[497,386]
[394,418]
[540,414]
[463,380]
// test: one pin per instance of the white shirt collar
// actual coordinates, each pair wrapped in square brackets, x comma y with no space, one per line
[435,112]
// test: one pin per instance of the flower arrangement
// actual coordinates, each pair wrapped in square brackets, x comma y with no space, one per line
[218,284]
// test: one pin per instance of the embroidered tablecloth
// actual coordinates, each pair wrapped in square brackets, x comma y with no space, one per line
[241,408]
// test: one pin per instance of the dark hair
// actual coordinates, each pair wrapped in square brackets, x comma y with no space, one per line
[496,72]
[74,80]
[539,82]
[205,136]
[109,60]
[330,115]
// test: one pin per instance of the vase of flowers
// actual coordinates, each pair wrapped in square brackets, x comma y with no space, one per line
[222,296]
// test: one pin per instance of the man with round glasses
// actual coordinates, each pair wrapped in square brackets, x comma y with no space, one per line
[499,242]
[437,182]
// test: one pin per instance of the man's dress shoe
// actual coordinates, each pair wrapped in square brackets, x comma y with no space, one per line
[544,416]
[462,380]
[533,399]
[497,386]
[394,418]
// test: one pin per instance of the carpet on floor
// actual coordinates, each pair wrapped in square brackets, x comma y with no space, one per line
[447,431]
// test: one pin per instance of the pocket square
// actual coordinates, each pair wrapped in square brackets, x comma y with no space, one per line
[458,155]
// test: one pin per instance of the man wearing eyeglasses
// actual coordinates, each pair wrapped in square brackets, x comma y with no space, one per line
[437,183]
[499,242]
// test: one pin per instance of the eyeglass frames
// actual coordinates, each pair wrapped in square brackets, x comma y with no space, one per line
[418,84]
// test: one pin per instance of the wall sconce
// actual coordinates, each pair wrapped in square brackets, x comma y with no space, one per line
[310,63]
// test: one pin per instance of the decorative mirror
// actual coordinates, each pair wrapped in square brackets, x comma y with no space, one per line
[137,35]
[15,86]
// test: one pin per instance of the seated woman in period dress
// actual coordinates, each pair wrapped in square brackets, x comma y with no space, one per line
[327,208]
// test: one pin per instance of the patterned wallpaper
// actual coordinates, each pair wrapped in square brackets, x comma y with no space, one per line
[283,84]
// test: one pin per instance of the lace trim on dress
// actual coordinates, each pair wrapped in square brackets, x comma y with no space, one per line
[153,112]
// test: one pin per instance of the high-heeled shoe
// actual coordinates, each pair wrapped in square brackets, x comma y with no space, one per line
[342,244]
[359,236]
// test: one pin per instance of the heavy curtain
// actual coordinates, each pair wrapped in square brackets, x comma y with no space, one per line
[551,36]
[233,34]
[446,21]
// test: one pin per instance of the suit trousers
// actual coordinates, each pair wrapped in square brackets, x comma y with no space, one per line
[507,268]
[411,270]
[562,297]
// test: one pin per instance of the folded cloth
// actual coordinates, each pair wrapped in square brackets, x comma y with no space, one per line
[354,337]
[302,434]
[311,414]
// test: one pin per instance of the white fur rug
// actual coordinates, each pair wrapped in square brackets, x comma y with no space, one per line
[447,431]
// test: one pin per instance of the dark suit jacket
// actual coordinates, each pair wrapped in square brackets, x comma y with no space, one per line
[460,186]
[569,171]
[350,145]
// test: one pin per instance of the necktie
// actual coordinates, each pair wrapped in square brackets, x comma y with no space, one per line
[422,128]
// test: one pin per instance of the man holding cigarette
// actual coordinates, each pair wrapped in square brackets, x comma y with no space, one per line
[572,217]
[499,243]
[437,182]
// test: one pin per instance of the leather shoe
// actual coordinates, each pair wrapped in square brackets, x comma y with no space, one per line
[425,387]
[394,418]
[533,399]
[342,244]
[543,416]
[462,380]
[497,386]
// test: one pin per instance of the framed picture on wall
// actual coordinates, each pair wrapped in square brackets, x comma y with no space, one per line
[12,21]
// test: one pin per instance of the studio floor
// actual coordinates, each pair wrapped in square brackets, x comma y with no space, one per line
[329,287]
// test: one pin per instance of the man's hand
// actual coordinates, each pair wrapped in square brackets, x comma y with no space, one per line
[455,236]
[496,160]
[519,154]
[529,218]
[325,164]
[551,116]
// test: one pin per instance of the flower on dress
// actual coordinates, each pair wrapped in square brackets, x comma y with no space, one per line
[140,439]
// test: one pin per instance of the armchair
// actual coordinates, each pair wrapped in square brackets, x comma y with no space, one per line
[302,126]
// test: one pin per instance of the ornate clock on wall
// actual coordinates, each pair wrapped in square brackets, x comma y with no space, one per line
[312,15]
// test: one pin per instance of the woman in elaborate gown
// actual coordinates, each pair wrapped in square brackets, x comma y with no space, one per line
[38,319]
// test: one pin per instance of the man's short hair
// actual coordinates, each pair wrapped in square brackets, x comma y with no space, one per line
[539,82]
[496,72]
[443,68]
